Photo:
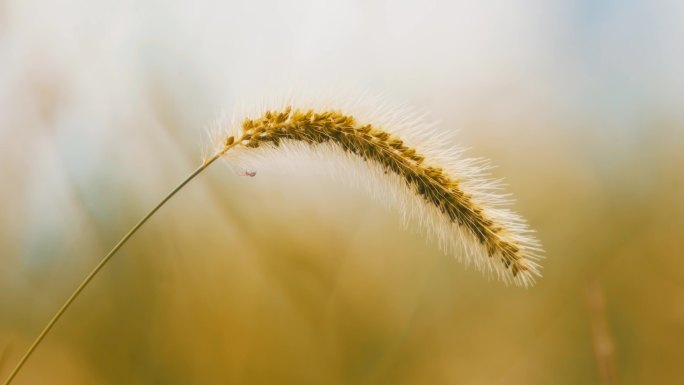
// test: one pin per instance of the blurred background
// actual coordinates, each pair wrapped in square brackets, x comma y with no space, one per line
[290,278]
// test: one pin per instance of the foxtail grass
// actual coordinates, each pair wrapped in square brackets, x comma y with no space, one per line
[455,202]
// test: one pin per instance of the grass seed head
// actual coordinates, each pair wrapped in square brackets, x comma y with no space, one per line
[449,195]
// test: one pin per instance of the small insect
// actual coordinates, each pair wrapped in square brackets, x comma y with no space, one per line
[250,174]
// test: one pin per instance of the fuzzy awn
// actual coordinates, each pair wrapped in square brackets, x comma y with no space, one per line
[494,239]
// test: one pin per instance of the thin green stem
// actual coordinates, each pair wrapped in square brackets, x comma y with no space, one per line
[104,261]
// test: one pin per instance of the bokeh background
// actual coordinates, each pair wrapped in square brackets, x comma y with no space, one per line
[291,278]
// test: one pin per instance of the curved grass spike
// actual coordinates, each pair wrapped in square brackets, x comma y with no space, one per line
[511,252]
[373,144]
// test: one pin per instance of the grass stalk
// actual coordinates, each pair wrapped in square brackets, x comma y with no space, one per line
[103,262]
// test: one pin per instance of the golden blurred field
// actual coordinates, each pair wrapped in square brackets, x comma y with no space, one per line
[292,278]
